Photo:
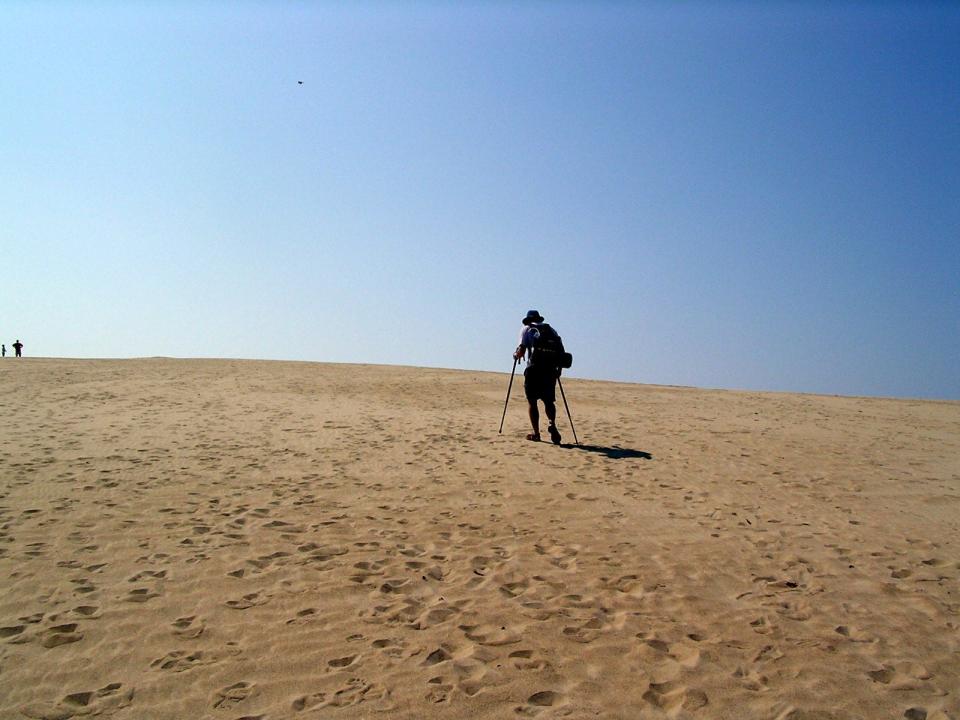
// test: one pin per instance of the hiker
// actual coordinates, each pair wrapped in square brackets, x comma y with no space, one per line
[17,347]
[542,345]
[4,350]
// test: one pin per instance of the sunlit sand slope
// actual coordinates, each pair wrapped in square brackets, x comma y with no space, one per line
[228,539]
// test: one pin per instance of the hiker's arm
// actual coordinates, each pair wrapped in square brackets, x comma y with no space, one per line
[527,338]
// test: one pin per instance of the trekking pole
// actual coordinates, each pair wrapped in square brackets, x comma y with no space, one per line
[509,388]
[569,417]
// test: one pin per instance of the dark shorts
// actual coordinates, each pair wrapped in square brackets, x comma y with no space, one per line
[540,384]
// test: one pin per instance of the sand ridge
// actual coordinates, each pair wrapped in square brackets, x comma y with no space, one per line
[240,539]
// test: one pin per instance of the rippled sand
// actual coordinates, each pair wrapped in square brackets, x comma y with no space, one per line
[237,539]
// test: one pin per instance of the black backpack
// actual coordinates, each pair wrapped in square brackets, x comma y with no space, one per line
[548,349]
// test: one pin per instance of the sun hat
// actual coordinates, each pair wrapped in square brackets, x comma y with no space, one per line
[532,316]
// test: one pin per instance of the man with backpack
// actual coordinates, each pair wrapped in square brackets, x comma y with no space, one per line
[544,349]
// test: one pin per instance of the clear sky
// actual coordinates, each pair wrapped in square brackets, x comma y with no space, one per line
[738,195]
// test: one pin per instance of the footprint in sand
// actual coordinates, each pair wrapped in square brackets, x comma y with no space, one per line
[84,587]
[367,570]
[188,627]
[559,555]
[441,654]
[180,660]
[141,595]
[672,695]
[798,609]
[248,601]
[11,631]
[356,691]
[854,634]
[628,585]
[686,654]
[232,695]
[393,585]
[515,589]
[901,676]
[768,653]
[91,612]
[539,701]
[439,614]
[148,575]
[342,662]
[61,635]
[107,699]
[309,702]
[490,635]
[285,527]
[586,632]
[261,563]
[472,674]
[320,554]
[303,617]
[390,647]
[524,660]
[439,691]
[751,679]
[762,626]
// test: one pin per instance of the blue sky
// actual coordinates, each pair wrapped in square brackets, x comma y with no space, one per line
[738,195]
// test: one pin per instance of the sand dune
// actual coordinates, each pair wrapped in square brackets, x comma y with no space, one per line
[231,539]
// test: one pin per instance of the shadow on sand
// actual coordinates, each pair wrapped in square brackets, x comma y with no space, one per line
[616,453]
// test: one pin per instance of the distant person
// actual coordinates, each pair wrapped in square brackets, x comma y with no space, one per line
[542,346]
[4,347]
[17,347]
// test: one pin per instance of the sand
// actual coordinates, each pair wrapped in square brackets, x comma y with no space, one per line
[238,539]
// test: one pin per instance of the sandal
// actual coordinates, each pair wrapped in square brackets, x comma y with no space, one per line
[535,438]
[554,434]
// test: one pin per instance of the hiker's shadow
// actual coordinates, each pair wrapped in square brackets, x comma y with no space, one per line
[615,453]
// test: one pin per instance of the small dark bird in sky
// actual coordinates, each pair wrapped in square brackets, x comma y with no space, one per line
[299,82]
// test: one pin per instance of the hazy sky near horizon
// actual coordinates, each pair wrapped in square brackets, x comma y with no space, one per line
[737,195]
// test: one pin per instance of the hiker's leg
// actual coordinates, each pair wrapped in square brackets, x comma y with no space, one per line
[535,417]
[551,410]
